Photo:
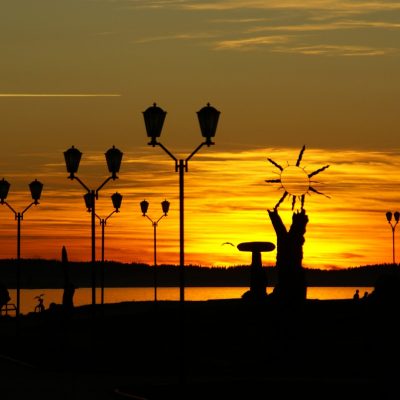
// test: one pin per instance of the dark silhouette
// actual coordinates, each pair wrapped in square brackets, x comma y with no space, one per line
[258,277]
[68,297]
[386,290]
[69,288]
[291,285]
[40,306]
[356,295]
[4,295]
[365,295]
[64,263]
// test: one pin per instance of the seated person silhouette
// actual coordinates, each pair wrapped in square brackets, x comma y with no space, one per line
[356,295]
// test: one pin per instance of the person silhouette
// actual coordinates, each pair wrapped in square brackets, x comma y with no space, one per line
[356,295]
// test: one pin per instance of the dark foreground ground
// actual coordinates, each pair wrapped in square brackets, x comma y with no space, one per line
[223,349]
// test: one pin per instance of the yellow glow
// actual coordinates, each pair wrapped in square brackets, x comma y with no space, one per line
[295,180]
[226,199]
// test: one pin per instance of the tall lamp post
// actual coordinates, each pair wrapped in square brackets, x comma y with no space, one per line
[72,159]
[35,188]
[154,118]
[144,206]
[116,199]
[389,216]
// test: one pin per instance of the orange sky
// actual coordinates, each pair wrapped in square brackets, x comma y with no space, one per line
[320,73]
[226,199]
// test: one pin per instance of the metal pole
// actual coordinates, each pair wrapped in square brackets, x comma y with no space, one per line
[102,222]
[93,195]
[181,232]
[394,259]
[182,372]
[155,260]
[19,217]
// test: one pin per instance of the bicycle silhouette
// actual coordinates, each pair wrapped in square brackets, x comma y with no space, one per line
[40,306]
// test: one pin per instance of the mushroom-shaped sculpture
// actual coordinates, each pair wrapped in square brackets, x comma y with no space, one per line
[258,280]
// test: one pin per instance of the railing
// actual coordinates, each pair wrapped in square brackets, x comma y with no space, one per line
[7,308]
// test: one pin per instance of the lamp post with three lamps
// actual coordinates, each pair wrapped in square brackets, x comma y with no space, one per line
[72,159]
[154,118]
[116,199]
[35,188]
[389,216]
[144,206]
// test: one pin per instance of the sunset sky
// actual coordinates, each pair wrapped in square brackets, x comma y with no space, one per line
[324,74]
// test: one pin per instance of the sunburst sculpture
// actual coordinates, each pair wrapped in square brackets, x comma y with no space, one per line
[295,181]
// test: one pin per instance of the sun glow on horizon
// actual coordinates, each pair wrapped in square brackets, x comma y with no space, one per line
[226,200]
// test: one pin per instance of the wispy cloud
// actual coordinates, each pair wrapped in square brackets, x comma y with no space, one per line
[335,50]
[336,25]
[291,4]
[297,18]
[286,44]
[59,95]
[181,36]
[251,43]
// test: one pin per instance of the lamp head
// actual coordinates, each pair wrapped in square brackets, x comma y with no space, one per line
[89,199]
[154,118]
[72,159]
[165,207]
[116,199]
[396,216]
[144,206]
[36,188]
[208,119]
[389,216]
[113,158]
[4,188]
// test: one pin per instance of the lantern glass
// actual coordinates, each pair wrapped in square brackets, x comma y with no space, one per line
[389,216]
[113,158]
[116,199]
[208,119]
[396,216]
[72,159]
[165,206]
[144,206]
[4,188]
[154,118]
[36,188]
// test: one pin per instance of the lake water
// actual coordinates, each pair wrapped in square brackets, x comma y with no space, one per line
[115,295]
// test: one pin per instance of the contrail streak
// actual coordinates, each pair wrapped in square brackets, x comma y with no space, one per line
[59,95]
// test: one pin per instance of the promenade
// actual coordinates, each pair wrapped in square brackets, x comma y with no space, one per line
[222,349]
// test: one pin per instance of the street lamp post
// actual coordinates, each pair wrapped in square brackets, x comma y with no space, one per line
[154,118]
[35,188]
[389,216]
[72,159]
[116,199]
[144,206]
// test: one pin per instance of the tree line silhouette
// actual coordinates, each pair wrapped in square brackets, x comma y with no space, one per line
[41,273]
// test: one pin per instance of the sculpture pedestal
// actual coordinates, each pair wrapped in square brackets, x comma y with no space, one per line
[258,279]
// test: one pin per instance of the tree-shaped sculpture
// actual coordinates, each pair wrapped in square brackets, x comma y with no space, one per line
[291,285]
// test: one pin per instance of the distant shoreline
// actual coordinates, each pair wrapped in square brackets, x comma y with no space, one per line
[38,273]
